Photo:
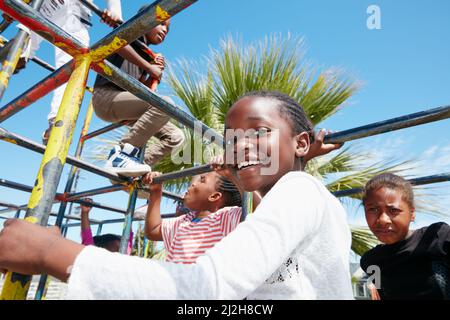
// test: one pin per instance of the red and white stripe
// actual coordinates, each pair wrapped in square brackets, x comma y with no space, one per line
[185,240]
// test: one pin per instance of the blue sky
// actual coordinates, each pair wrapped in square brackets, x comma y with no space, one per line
[403,68]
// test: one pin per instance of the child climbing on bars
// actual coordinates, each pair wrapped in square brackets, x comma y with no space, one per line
[412,264]
[296,244]
[113,104]
[215,204]
[74,18]
[110,242]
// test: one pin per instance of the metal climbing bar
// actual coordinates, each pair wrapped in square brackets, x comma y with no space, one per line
[437,178]
[8,205]
[113,188]
[39,90]
[34,20]
[22,207]
[77,224]
[69,187]
[172,195]
[104,130]
[402,122]
[34,146]
[36,60]
[43,64]
[111,221]
[16,285]
[4,24]
[73,169]
[91,6]
[100,206]
[18,186]
[136,26]
[59,197]
[95,192]
[11,57]
[183,173]
[128,221]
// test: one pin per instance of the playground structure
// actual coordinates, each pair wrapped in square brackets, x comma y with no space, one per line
[55,154]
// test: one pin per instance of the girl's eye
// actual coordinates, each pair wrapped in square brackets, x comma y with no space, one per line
[261,132]
[394,210]
[372,210]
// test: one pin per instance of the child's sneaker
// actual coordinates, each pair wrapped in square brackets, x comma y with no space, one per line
[124,161]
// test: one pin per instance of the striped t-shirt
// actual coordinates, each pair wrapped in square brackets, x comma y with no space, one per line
[186,240]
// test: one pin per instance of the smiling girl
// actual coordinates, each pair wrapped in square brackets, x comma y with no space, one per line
[295,245]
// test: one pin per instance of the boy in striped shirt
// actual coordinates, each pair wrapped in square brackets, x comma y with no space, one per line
[215,203]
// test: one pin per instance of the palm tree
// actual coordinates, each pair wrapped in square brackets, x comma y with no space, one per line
[272,64]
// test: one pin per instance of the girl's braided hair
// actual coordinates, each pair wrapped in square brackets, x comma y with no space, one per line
[232,196]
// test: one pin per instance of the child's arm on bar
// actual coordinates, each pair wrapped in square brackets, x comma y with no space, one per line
[153,219]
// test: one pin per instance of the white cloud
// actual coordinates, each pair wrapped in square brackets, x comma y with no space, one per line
[431,151]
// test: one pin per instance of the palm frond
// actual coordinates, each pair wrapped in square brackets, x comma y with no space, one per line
[98,151]
[359,178]
[344,160]
[327,95]
[195,90]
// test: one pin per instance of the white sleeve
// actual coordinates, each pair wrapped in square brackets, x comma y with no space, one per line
[232,269]
[115,7]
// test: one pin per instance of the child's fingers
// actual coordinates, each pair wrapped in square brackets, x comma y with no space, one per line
[156,174]
[147,179]
[337,145]
[160,60]
[105,15]
[87,203]
[320,135]
[7,18]
[217,162]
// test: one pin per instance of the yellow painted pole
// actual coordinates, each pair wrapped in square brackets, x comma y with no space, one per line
[16,285]
[44,281]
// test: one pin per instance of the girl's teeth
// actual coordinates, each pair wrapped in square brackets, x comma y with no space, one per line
[247,163]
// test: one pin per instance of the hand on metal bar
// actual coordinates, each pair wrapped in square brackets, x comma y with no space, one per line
[318,147]
[155,188]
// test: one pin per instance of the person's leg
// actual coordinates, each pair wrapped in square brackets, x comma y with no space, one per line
[35,40]
[114,106]
[170,137]
[79,30]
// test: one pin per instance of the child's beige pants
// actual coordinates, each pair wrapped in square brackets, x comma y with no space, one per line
[113,105]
